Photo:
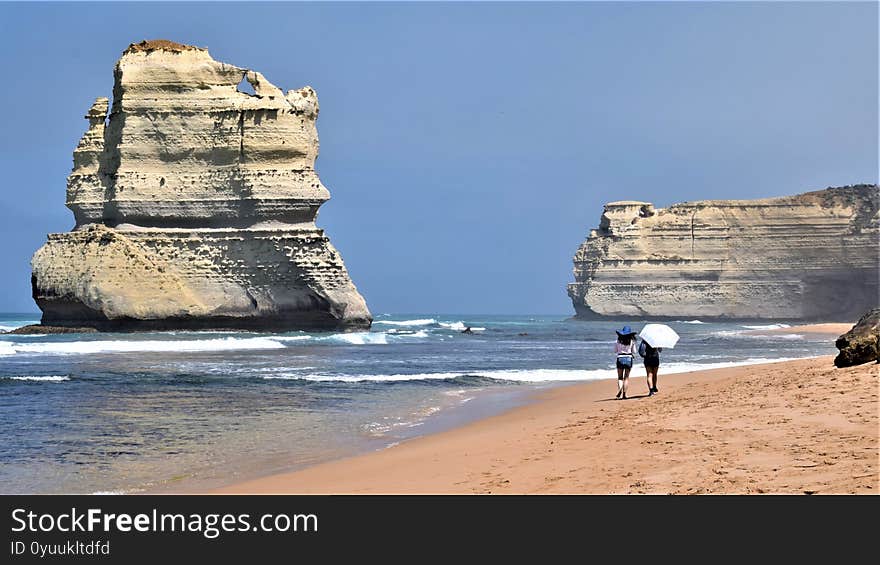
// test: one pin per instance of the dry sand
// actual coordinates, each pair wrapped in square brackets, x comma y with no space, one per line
[793,427]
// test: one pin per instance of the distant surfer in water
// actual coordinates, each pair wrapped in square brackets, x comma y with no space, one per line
[467,330]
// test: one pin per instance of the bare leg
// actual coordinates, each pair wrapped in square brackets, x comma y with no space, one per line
[625,380]
[648,377]
[654,371]
[619,382]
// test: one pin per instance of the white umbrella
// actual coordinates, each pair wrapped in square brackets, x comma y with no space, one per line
[659,335]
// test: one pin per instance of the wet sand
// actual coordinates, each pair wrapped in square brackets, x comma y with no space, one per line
[835,329]
[792,427]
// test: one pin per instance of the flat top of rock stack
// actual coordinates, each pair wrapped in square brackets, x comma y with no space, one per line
[836,194]
[148,45]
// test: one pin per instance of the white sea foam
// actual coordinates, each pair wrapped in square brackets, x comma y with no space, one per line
[372,338]
[406,333]
[535,375]
[7,328]
[358,338]
[27,336]
[40,378]
[768,327]
[81,347]
[388,424]
[681,367]
[291,337]
[460,395]
[746,334]
[689,322]
[460,326]
[525,375]
[419,322]
[277,370]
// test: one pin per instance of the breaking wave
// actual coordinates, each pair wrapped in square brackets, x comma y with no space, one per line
[419,322]
[460,326]
[744,334]
[40,378]
[521,375]
[8,328]
[407,333]
[372,338]
[291,337]
[358,338]
[83,347]
[194,345]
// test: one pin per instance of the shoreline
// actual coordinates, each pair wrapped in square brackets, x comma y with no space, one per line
[787,427]
[835,329]
[483,403]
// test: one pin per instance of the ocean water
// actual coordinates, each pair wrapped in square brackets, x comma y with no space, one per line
[177,411]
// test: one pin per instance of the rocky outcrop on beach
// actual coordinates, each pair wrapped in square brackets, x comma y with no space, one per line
[195,206]
[861,344]
[812,256]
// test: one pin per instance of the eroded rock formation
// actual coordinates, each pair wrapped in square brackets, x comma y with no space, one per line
[195,206]
[861,344]
[812,256]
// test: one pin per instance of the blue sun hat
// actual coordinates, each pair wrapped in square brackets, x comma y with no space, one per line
[625,331]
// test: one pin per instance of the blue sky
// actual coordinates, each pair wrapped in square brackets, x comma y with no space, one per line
[469,147]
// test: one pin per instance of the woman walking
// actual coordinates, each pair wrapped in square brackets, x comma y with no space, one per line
[652,364]
[625,350]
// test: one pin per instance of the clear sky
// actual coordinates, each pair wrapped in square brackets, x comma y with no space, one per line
[469,148]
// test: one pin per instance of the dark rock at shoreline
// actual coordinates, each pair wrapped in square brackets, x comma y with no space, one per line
[861,344]
[39,329]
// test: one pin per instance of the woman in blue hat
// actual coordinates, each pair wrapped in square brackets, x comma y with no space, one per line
[625,350]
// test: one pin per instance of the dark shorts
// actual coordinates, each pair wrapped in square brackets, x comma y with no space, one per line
[652,364]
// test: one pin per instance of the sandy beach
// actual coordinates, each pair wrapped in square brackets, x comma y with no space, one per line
[832,329]
[790,427]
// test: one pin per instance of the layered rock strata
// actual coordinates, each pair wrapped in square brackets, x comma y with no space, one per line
[195,205]
[812,256]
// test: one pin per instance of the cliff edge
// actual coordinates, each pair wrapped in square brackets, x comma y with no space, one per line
[812,256]
[195,207]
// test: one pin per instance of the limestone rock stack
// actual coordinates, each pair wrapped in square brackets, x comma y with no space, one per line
[195,206]
[812,256]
